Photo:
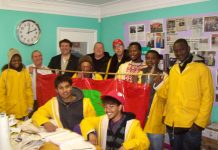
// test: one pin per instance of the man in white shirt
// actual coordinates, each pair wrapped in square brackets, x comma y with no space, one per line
[36,67]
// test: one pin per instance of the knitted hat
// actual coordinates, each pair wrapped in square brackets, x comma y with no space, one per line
[117,41]
[11,53]
[115,94]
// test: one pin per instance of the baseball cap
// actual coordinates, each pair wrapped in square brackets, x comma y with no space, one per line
[114,94]
[117,41]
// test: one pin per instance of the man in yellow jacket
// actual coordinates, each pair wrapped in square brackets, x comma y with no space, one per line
[67,109]
[190,94]
[116,129]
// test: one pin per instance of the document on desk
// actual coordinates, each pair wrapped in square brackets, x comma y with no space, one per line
[66,140]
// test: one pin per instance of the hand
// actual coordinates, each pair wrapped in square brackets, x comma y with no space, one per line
[31,70]
[93,139]
[49,127]
[29,110]
[196,128]
[122,148]
[80,75]
[158,78]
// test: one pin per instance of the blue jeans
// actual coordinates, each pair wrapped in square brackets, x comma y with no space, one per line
[190,140]
[156,141]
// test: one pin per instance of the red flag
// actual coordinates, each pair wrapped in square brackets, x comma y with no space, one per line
[136,95]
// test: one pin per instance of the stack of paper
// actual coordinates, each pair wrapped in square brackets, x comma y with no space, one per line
[66,140]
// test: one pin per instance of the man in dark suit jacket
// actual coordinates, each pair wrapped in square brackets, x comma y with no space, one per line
[64,61]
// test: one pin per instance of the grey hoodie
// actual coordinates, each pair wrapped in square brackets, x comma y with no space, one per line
[71,114]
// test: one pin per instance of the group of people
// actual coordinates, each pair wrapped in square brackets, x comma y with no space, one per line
[180,102]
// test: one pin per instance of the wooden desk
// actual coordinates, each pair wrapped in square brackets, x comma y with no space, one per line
[52,146]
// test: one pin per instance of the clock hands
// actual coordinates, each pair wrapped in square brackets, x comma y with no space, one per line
[28,29]
[31,31]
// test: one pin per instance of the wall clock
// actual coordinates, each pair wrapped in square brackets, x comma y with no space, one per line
[28,32]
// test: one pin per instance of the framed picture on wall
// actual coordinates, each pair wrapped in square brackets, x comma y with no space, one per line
[156,26]
[214,41]
[211,24]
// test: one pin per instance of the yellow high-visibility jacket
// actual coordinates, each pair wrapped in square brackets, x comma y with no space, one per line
[50,110]
[16,94]
[189,94]
[95,76]
[135,138]
[154,123]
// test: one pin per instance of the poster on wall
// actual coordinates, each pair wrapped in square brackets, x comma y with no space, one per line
[171,26]
[79,49]
[211,24]
[132,33]
[199,44]
[203,44]
[209,57]
[156,26]
[137,32]
[196,26]
[181,24]
[197,23]
[140,32]
[159,40]
[214,41]
[150,39]
[200,30]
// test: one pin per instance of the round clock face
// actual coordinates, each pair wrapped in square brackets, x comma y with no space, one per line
[28,32]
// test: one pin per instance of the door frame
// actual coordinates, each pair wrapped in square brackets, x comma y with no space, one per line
[63,29]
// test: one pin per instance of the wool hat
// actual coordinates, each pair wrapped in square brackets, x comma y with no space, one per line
[117,41]
[11,53]
[114,94]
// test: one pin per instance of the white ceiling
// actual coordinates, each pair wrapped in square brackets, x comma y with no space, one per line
[90,8]
[89,2]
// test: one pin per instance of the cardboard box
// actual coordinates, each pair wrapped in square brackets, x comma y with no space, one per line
[210,137]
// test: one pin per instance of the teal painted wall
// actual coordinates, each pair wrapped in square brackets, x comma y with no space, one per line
[109,29]
[113,27]
[48,24]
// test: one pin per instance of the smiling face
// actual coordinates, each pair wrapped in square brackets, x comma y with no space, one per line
[181,51]
[37,58]
[134,53]
[64,90]
[99,50]
[86,66]
[65,48]
[16,61]
[118,49]
[113,110]
[151,59]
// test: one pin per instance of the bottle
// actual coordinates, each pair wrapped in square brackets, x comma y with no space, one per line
[4,133]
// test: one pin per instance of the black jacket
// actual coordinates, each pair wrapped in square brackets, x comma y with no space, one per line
[55,63]
[114,65]
[101,64]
